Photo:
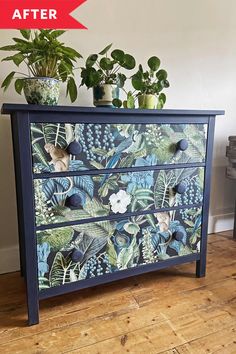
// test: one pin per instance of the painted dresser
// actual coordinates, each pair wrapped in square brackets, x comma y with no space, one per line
[104,194]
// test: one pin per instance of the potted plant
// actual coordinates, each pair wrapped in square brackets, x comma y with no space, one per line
[102,74]
[147,87]
[48,61]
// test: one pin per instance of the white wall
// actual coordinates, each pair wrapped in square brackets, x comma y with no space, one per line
[196,41]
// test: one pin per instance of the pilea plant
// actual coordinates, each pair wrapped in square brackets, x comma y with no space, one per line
[146,83]
[45,57]
[100,69]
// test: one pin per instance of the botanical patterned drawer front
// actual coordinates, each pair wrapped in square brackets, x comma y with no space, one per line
[93,249]
[99,146]
[82,197]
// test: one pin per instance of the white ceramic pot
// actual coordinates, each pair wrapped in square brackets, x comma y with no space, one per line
[103,95]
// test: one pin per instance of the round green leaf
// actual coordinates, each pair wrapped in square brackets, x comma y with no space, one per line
[91,77]
[162,97]
[91,60]
[121,78]
[161,101]
[161,75]
[117,102]
[137,81]
[106,64]
[154,63]
[129,62]
[118,55]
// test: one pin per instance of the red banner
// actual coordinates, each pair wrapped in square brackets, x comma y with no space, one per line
[47,14]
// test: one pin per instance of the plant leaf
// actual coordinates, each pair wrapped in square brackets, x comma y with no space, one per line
[56,238]
[72,89]
[128,256]
[25,33]
[121,78]
[105,50]
[111,252]
[130,102]
[12,47]
[117,102]
[161,75]
[7,81]
[106,64]
[60,270]
[154,63]
[118,55]
[57,33]
[89,245]
[19,83]
[72,53]
[129,62]
[91,60]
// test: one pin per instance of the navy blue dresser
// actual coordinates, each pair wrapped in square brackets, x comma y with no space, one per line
[104,194]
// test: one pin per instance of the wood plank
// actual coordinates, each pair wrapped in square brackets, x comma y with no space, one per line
[100,327]
[221,342]
[156,338]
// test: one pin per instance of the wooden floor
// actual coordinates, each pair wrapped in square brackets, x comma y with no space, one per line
[163,312]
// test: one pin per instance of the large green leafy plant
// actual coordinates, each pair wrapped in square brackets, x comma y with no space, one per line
[102,69]
[149,82]
[45,56]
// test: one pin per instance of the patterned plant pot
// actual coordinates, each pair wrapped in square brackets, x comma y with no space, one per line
[103,95]
[147,101]
[42,90]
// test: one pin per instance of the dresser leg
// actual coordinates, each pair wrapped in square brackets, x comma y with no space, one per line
[33,313]
[201,268]
[234,234]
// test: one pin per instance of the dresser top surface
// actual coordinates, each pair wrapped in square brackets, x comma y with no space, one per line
[8,108]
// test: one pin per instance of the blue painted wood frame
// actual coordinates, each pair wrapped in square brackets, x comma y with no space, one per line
[117,170]
[25,209]
[21,117]
[201,264]
[9,108]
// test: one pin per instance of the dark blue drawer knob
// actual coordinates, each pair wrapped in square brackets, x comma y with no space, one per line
[73,202]
[178,235]
[74,148]
[77,255]
[180,188]
[182,145]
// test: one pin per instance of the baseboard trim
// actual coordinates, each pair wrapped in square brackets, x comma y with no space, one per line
[221,222]
[9,259]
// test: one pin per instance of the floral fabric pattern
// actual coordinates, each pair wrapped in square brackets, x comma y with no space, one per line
[89,250]
[93,247]
[104,146]
[120,201]
[116,193]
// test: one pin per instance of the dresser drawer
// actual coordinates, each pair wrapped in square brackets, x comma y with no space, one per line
[92,196]
[107,146]
[93,249]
